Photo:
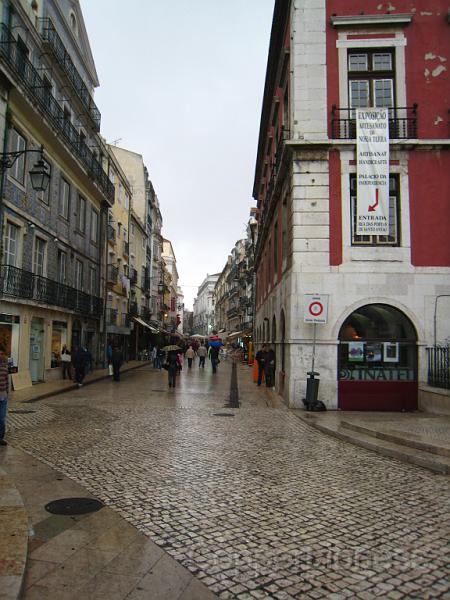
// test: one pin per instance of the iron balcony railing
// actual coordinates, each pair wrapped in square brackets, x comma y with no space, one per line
[439,367]
[112,274]
[134,312]
[51,37]
[17,283]
[111,316]
[232,312]
[402,123]
[44,101]
[133,276]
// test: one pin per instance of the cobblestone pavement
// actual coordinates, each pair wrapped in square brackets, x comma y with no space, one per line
[258,505]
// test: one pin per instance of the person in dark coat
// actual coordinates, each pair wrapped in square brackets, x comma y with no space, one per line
[79,361]
[173,366]
[116,360]
[261,358]
[269,368]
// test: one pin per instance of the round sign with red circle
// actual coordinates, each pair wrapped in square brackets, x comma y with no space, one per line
[316,308]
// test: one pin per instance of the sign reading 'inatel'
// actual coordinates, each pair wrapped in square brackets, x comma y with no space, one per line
[372,206]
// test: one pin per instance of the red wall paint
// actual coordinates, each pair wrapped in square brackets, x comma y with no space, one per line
[428,38]
[377,395]
[335,208]
[429,205]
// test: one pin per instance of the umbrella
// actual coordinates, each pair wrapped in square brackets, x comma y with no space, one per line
[170,348]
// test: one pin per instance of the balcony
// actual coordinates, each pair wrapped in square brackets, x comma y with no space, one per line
[17,283]
[111,234]
[232,312]
[134,312]
[51,38]
[146,314]
[111,316]
[125,320]
[133,276]
[46,103]
[402,123]
[112,274]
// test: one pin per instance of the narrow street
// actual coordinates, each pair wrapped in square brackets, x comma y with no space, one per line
[255,505]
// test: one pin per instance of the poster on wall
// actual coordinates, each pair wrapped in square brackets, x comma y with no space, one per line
[372,160]
[373,352]
[356,351]
[390,352]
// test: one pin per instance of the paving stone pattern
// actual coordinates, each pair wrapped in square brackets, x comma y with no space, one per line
[259,505]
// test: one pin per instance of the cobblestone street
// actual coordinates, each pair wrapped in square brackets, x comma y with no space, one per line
[256,505]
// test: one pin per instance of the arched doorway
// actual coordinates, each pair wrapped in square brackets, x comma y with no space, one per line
[377,361]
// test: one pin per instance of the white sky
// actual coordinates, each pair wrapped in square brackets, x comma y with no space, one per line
[181,83]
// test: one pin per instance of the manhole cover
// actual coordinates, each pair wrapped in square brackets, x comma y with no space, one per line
[223,415]
[73,506]
[21,411]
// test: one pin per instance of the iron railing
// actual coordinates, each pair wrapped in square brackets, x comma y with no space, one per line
[56,45]
[133,276]
[439,367]
[18,283]
[43,100]
[134,312]
[402,123]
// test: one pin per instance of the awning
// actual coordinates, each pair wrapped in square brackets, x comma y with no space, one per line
[141,322]
[234,336]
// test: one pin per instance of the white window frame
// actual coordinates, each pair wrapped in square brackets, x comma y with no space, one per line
[81,214]
[79,274]
[64,202]
[94,226]
[17,243]
[17,171]
[40,268]
[62,272]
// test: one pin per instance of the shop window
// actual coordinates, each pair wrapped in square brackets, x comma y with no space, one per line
[9,339]
[371,78]
[59,339]
[377,343]
[393,239]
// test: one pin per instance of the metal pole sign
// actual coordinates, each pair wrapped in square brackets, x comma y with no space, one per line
[372,148]
[315,308]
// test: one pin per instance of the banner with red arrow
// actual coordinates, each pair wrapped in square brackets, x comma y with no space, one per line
[372,149]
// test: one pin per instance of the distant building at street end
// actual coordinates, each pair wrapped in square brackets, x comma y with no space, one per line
[351,182]
[204,316]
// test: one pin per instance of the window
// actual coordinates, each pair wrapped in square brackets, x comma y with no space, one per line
[275,251]
[64,199]
[93,281]
[62,266]
[119,195]
[18,144]
[132,229]
[12,244]
[94,226]
[78,274]
[39,256]
[124,234]
[393,239]
[81,214]
[371,78]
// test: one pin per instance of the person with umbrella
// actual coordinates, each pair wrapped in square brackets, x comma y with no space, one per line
[214,343]
[172,364]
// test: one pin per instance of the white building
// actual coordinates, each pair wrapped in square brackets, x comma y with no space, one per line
[204,306]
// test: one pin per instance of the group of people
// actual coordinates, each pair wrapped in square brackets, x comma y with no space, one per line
[265,358]
[81,361]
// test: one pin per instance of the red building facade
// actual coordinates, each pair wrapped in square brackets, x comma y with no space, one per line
[326,60]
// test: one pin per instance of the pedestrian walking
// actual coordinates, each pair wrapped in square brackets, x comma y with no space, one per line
[214,357]
[261,358]
[269,367]
[4,391]
[79,361]
[116,360]
[66,360]
[201,353]
[190,356]
[153,355]
[173,367]
[159,358]
[109,350]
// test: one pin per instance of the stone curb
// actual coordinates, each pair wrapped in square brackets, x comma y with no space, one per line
[13,539]
[69,388]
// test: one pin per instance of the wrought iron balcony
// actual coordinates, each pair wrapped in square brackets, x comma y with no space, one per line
[112,274]
[134,312]
[146,313]
[232,312]
[111,316]
[111,234]
[17,283]
[45,102]
[133,276]
[51,37]
[402,123]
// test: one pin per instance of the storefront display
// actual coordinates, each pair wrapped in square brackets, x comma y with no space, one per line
[59,339]
[9,339]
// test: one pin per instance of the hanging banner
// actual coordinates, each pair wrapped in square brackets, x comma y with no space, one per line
[372,148]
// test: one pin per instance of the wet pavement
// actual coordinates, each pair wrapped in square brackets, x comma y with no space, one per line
[255,505]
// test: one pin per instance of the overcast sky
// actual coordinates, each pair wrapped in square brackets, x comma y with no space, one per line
[181,83]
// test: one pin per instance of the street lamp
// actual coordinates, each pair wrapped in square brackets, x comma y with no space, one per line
[39,174]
